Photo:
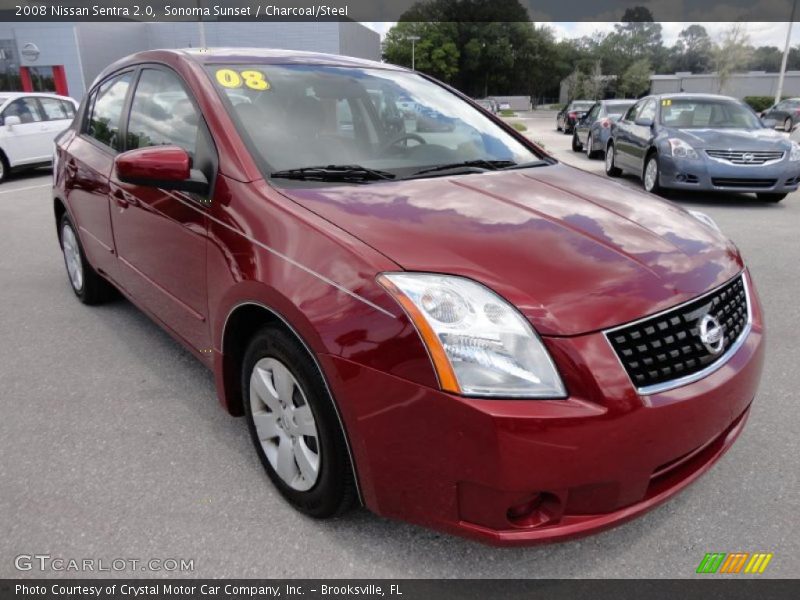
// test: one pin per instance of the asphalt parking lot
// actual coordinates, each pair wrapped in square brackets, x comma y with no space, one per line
[113,444]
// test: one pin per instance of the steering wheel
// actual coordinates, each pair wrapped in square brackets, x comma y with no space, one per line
[401,138]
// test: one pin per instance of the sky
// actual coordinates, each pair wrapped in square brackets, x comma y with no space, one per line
[761,34]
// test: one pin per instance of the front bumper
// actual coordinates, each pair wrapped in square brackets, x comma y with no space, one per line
[512,472]
[707,174]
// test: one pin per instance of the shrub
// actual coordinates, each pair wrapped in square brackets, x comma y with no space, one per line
[507,113]
[519,126]
[760,103]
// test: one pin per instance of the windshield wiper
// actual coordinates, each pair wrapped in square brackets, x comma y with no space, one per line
[481,163]
[346,173]
[530,164]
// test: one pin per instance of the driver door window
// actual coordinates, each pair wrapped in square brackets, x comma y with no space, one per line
[648,111]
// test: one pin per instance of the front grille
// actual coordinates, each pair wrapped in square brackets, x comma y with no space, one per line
[745,157]
[666,348]
[743,183]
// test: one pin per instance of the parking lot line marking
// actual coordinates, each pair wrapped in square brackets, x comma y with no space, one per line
[22,189]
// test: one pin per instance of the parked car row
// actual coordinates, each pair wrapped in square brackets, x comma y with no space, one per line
[693,142]
[573,112]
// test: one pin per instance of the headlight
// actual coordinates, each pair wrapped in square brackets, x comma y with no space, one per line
[795,154]
[681,149]
[705,219]
[480,345]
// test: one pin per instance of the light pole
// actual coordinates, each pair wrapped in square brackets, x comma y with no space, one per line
[779,91]
[414,39]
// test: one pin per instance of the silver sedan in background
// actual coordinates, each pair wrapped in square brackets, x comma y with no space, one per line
[593,130]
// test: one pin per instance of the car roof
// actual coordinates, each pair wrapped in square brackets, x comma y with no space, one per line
[692,96]
[257,55]
[15,95]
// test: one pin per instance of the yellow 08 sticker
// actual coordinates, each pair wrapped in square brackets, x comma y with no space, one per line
[255,80]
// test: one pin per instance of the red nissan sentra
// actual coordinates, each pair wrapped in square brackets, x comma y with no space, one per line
[415,307]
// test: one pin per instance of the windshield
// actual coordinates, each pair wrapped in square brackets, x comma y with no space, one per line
[581,105]
[687,113]
[296,116]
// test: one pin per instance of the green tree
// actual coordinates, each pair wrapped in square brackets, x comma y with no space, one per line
[765,58]
[435,52]
[732,54]
[693,50]
[479,46]
[635,81]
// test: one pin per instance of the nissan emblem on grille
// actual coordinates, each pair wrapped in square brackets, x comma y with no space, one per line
[711,334]
[688,341]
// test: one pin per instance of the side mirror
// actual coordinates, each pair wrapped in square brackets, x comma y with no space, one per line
[11,120]
[769,123]
[166,167]
[644,122]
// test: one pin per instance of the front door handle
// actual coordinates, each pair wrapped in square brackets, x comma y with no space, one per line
[120,197]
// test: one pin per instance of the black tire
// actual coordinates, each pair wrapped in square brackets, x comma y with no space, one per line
[94,289]
[771,197]
[4,167]
[591,151]
[611,169]
[788,124]
[576,143]
[334,491]
[652,161]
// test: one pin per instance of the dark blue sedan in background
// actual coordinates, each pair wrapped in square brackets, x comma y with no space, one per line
[703,142]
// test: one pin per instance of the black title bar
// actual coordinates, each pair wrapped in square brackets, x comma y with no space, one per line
[383,10]
[727,588]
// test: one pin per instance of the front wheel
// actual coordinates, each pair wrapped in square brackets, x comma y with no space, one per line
[787,124]
[611,169]
[576,143]
[650,178]
[294,425]
[771,197]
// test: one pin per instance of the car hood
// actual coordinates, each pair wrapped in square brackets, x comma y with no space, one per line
[573,251]
[732,139]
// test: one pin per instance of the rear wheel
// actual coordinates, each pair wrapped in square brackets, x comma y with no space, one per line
[651,173]
[294,425]
[89,287]
[576,143]
[611,169]
[771,197]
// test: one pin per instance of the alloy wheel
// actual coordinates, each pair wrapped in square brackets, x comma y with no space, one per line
[787,124]
[285,424]
[589,149]
[651,174]
[609,159]
[72,257]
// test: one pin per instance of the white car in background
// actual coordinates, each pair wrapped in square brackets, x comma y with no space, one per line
[29,122]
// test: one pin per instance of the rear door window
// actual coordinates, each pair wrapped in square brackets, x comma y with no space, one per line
[107,104]
[54,109]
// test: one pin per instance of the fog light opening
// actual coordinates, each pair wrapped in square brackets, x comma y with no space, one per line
[537,510]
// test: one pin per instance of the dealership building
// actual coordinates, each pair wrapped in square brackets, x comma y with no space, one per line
[66,57]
